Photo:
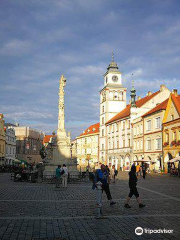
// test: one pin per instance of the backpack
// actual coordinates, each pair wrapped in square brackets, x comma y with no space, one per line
[116,172]
[62,172]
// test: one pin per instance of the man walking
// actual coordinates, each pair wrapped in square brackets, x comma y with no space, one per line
[102,175]
[64,174]
[144,170]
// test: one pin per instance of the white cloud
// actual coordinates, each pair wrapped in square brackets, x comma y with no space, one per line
[16,47]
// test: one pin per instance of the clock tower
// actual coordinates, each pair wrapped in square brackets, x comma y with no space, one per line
[112,101]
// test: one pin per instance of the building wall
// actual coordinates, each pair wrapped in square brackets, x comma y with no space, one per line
[123,155]
[87,151]
[153,139]
[10,146]
[2,140]
[171,133]
[28,144]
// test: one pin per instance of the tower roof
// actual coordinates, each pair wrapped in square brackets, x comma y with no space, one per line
[113,67]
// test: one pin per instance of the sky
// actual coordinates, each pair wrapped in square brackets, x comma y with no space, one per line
[42,39]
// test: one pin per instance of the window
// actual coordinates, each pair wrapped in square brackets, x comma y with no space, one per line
[148,125]
[138,145]
[158,143]
[102,132]
[172,117]
[102,146]
[135,131]
[158,122]
[148,144]
[141,129]
[167,137]
[135,146]
[129,123]
[138,130]
[103,120]
[117,144]
[129,142]
[117,127]
[103,109]
[141,144]
[113,128]
[174,136]
[123,125]
[123,143]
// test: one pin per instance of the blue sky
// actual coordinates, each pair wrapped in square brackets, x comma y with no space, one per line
[42,39]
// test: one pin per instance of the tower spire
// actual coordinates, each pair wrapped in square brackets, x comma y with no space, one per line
[133,94]
[112,56]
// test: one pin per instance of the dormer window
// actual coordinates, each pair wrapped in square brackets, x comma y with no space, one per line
[88,130]
[94,129]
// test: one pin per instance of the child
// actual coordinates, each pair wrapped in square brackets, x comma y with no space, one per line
[133,188]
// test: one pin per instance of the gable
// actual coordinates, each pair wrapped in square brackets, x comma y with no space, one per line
[171,110]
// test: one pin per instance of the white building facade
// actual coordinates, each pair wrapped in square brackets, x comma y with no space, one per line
[10,146]
[119,128]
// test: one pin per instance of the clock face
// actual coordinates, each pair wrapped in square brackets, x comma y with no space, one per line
[114,78]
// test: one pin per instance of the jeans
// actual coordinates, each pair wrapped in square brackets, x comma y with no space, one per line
[105,187]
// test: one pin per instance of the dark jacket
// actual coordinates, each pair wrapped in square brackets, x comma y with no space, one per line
[132,179]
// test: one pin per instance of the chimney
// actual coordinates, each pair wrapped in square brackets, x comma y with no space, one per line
[149,93]
[162,87]
[175,92]
[138,98]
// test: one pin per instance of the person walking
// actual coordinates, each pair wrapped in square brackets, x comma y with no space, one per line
[179,169]
[58,176]
[133,188]
[137,169]
[102,175]
[64,174]
[112,174]
[144,170]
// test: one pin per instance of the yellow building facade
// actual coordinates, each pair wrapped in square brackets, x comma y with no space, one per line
[171,129]
[147,137]
[87,145]
[2,140]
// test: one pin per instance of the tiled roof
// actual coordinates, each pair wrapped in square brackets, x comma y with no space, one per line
[47,138]
[161,106]
[176,101]
[126,112]
[91,130]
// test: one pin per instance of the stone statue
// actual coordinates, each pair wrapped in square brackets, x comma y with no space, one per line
[62,147]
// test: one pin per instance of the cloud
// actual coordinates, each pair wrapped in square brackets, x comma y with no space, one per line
[16,47]
[40,40]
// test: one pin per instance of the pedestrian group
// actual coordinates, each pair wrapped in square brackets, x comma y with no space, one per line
[61,174]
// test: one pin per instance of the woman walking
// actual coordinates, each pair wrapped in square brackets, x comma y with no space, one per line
[133,188]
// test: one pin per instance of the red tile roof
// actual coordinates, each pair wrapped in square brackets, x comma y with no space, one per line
[159,107]
[47,138]
[126,112]
[91,130]
[176,101]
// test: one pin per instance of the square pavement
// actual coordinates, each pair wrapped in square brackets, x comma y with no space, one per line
[33,211]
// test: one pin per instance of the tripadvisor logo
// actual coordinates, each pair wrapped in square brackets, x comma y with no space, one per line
[140,231]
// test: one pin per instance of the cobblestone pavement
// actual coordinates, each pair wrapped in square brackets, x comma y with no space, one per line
[39,211]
